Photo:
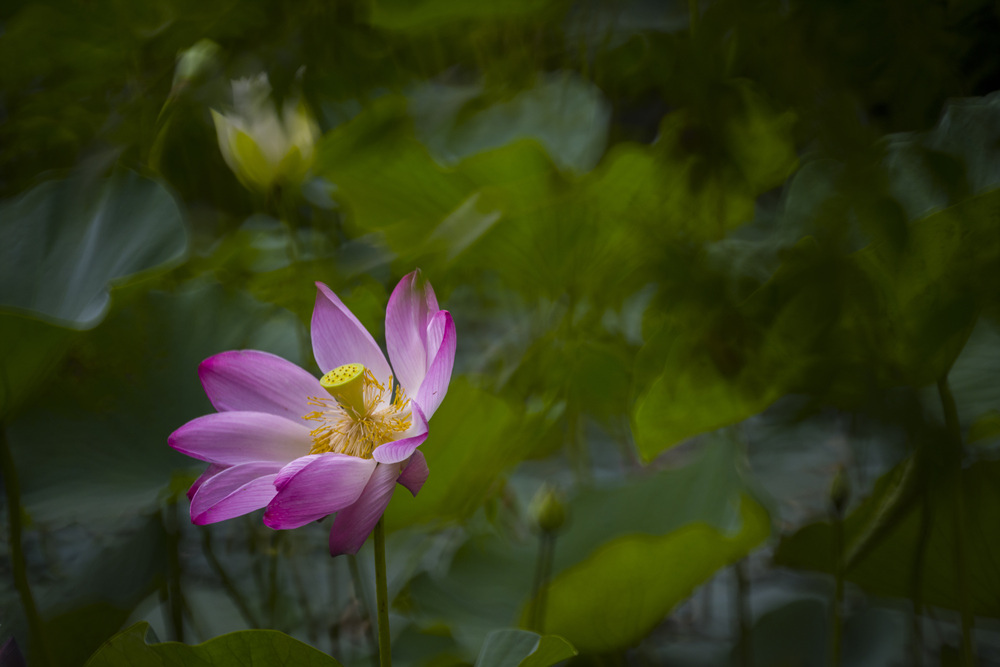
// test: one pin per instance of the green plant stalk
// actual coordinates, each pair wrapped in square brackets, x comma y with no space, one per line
[918,574]
[18,565]
[227,582]
[958,518]
[175,598]
[382,593]
[539,589]
[365,603]
[837,630]
[743,613]
[694,14]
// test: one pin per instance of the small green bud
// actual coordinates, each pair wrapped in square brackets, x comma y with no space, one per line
[840,490]
[548,509]
[195,61]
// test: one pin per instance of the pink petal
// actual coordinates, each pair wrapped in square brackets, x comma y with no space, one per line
[254,381]
[233,492]
[415,473]
[410,309]
[435,384]
[286,474]
[325,484]
[210,472]
[339,338]
[231,438]
[400,450]
[354,524]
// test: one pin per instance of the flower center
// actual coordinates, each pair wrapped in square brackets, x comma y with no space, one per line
[358,416]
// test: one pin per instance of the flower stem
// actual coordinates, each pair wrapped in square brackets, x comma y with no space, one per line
[743,613]
[382,593]
[958,518]
[837,617]
[17,561]
[539,592]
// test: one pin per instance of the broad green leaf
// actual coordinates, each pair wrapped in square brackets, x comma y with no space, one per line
[698,181]
[520,648]
[507,210]
[475,438]
[987,427]
[931,289]
[248,648]
[702,505]
[888,567]
[715,361]
[31,350]
[931,170]
[68,240]
[567,114]
[121,402]
[628,586]
[99,587]
[66,243]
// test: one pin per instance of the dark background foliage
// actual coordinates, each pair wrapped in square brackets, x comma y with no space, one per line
[725,275]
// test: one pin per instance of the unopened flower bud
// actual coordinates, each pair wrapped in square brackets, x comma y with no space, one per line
[194,62]
[839,492]
[548,509]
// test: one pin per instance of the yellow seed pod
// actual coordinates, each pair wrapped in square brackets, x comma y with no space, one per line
[347,384]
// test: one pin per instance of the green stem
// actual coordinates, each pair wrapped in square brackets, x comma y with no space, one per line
[837,631]
[175,599]
[539,590]
[694,13]
[382,593]
[227,581]
[917,582]
[17,561]
[364,603]
[272,579]
[958,518]
[744,614]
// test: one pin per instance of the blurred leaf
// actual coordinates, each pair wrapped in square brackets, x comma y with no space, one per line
[67,240]
[475,438]
[888,569]
[520,648]
[565,113]
[699,505]
[100,587]
[931,289]
[987,427]
[791,633]
[701,177]
[959,157]
[30,350]
[628,586]
[93,448]
[237,649]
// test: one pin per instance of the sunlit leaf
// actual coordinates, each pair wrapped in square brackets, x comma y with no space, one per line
[475,438]
[626,588]
[701,506]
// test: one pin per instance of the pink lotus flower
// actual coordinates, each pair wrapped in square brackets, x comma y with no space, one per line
[306,448]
